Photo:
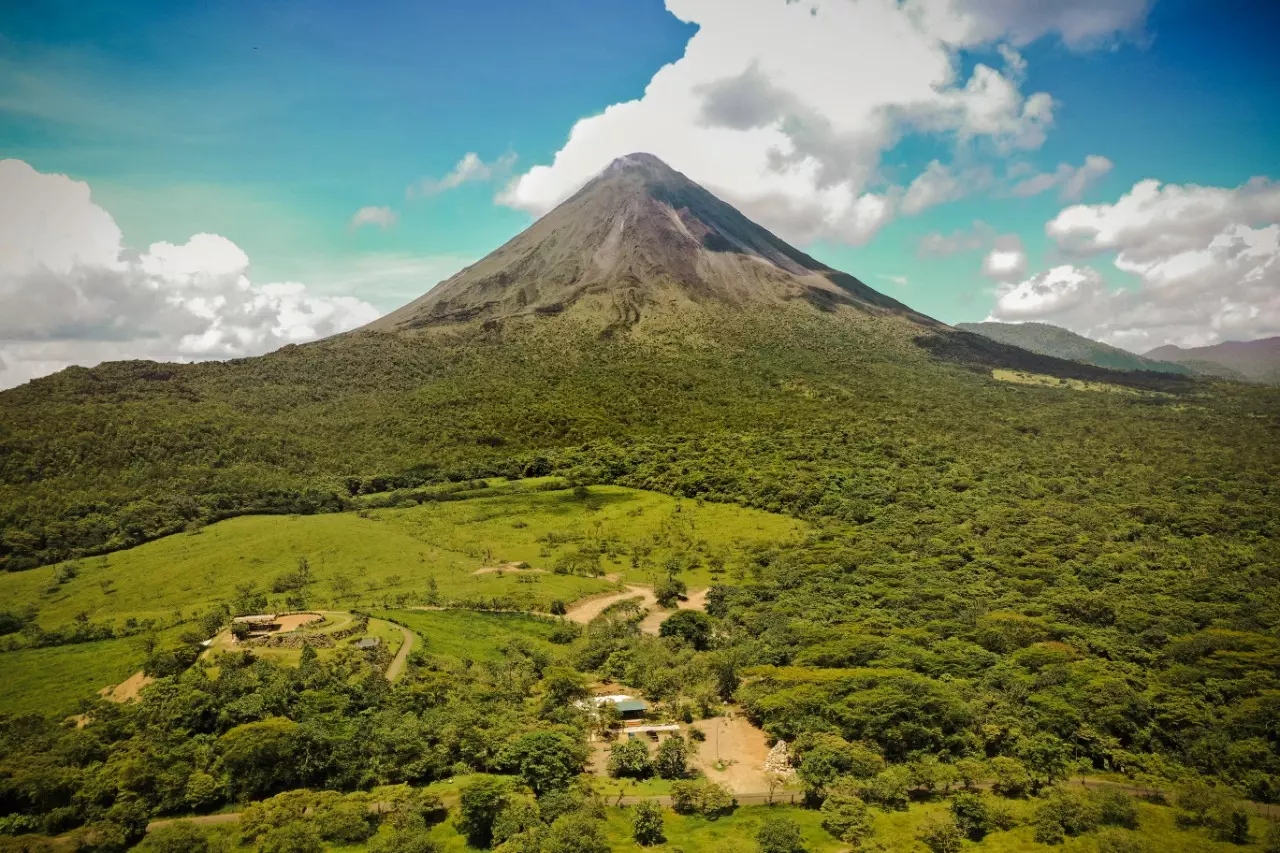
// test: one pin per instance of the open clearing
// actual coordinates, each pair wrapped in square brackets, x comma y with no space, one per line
[469,635]
[587,609]
[295,620]
[385,557]
[127,690]
[733,753]
[55,679]
[511,567]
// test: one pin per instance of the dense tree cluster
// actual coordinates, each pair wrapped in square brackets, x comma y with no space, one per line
[258,728]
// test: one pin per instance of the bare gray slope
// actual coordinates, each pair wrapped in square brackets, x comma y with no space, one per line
[639,237]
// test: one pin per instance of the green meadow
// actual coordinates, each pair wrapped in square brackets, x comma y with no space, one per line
[379,558]
[471,635]
[55,679]
[388,556]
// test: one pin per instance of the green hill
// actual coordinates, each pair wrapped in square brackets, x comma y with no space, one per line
[1258,361]
[1054,341]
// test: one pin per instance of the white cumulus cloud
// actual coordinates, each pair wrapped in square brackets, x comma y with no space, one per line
[1007,260]
[72,293]
[470,169]
[784,109]
[939,184]
[1079,23]
[1070,181]
[382,217]
[1207,261]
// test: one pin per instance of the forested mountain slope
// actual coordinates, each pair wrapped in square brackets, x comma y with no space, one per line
[1257,360]
[1054,341]
[104,458]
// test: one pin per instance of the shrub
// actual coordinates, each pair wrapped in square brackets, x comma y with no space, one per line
[1066,812]
[672,758]
[647,824]
[558,608]
[479,803]
[780,834]
[295,837]
[576,833]
[1271,839]
[347,822]
[941,836]
[692,626]
[1200,804]
[889,789]
[1120,841]
[1009,777]
[970,812]
[1116,808]
[180,837]
[630,759]
[845,815]
[1001,815]
[520,814]
[410,840]
[701,796]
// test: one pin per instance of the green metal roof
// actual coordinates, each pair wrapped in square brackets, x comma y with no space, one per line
[631,705]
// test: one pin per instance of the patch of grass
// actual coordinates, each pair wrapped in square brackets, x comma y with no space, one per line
[54,679]
[1022,378]
[388,556]
[471,635]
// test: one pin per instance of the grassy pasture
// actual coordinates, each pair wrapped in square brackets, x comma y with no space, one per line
[468,634]
[1020,377]
[389,555]
[55,679]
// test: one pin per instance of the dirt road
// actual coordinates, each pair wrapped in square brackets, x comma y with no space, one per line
[586,609]
[396,669]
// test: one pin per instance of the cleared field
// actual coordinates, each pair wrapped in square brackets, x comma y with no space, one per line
[387,557]
[1020,377]
[467,634]
[55,679]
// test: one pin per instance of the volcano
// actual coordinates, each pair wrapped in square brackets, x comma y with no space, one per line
[639,238]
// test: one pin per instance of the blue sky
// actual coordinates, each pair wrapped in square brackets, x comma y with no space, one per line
[271,123]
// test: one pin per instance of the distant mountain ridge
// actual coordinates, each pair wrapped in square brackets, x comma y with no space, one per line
[1045,339]
[1256,360]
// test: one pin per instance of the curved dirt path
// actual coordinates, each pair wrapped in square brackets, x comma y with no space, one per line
[396,669]
[589,608]
[586,609]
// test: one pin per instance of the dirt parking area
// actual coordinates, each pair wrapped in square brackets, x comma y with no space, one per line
[733,753]
[296,620]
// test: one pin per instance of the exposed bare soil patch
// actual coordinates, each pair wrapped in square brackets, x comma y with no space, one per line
[127,690]
[586,609]
[733,753]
